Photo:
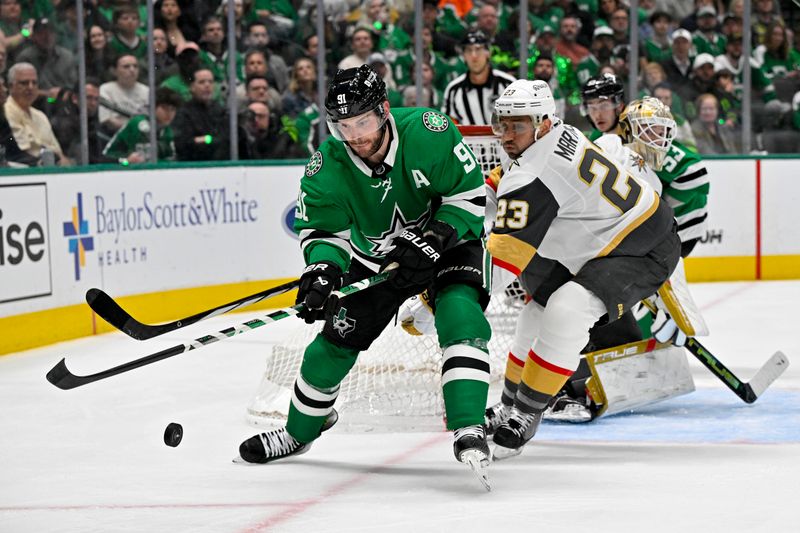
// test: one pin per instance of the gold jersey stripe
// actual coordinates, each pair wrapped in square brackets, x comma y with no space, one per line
[510,250]
[542,379]
[638,221]
[514,370]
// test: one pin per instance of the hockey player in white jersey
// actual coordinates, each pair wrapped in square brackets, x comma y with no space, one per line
[649,129]
[564,201]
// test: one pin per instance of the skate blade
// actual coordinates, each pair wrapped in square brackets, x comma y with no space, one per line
[479,463]
[239,461]
[574,416]
[501,452]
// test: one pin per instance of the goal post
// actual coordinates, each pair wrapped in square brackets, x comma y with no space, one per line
[395,385]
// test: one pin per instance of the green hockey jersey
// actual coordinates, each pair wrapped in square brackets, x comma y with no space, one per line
[135,137]
[686,187]
[347,211]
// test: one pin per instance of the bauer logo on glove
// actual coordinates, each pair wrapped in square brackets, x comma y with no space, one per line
[317,283]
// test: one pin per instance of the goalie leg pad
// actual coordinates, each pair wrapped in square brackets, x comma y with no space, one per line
[680,304]
[637,374]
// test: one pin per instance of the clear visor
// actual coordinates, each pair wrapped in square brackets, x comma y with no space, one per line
[517,124]
[653,137]
[597,106]
[352,128]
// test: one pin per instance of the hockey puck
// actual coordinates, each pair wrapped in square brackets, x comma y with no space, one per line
[173,434]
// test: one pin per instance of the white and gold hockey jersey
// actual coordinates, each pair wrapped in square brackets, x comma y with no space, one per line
[634,164]
[567,200]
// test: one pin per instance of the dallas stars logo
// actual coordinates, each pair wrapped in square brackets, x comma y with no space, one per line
[314,164]
[382,244]
[434,121]
[342,324]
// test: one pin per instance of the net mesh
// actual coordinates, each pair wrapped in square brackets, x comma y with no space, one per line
[395,384]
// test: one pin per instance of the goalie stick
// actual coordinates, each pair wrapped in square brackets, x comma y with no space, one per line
[61,377]
[747,391]
[110,311]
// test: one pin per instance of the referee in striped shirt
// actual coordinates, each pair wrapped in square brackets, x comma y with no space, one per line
[469,99]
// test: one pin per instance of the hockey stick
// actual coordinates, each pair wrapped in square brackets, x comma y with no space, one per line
[61,377]
[110,311]
[747,391]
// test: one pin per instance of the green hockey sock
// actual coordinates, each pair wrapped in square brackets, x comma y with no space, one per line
[324,367]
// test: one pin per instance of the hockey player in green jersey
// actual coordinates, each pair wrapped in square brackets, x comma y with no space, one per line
[388,188]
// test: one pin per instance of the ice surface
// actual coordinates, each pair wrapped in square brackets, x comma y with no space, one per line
[93,458]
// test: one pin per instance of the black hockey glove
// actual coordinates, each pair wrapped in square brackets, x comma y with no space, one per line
[317,283]
[416,255]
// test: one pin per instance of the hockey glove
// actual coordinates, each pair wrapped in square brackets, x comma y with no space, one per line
[664,327]
[317,283]
[416,315]
[416,255]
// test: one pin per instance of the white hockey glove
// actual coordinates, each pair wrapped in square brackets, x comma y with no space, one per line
[664,327]
[416,316]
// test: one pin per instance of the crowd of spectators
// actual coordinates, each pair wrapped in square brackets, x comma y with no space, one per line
[690,57]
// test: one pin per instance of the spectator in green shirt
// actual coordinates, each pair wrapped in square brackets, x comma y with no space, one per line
[707,39]
[658,47]
[776,56]
[126,39]
[131,144]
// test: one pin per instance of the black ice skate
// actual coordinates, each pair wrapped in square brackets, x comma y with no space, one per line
[495,416]
[513,434]
[470,448]
[277,444]
[565,408]
[271,446]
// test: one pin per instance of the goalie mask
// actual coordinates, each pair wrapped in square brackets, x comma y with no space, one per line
[354,92]
[524,98]
[647,125]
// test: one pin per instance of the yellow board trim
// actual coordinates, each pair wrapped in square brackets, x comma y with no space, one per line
[780,267]
[742,268]
[40,328]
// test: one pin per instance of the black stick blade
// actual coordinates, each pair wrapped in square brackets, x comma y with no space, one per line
[109,310]
[61,377]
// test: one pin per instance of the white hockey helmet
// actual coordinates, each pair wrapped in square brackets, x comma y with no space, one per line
[647,125]
[525,98]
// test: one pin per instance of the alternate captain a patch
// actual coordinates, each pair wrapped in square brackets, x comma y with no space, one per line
[435,121]
[314,164]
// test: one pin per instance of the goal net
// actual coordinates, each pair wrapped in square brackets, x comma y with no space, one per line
[395,385]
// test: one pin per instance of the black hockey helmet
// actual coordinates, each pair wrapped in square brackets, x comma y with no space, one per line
[355,91]
[604,87]
[476,37]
